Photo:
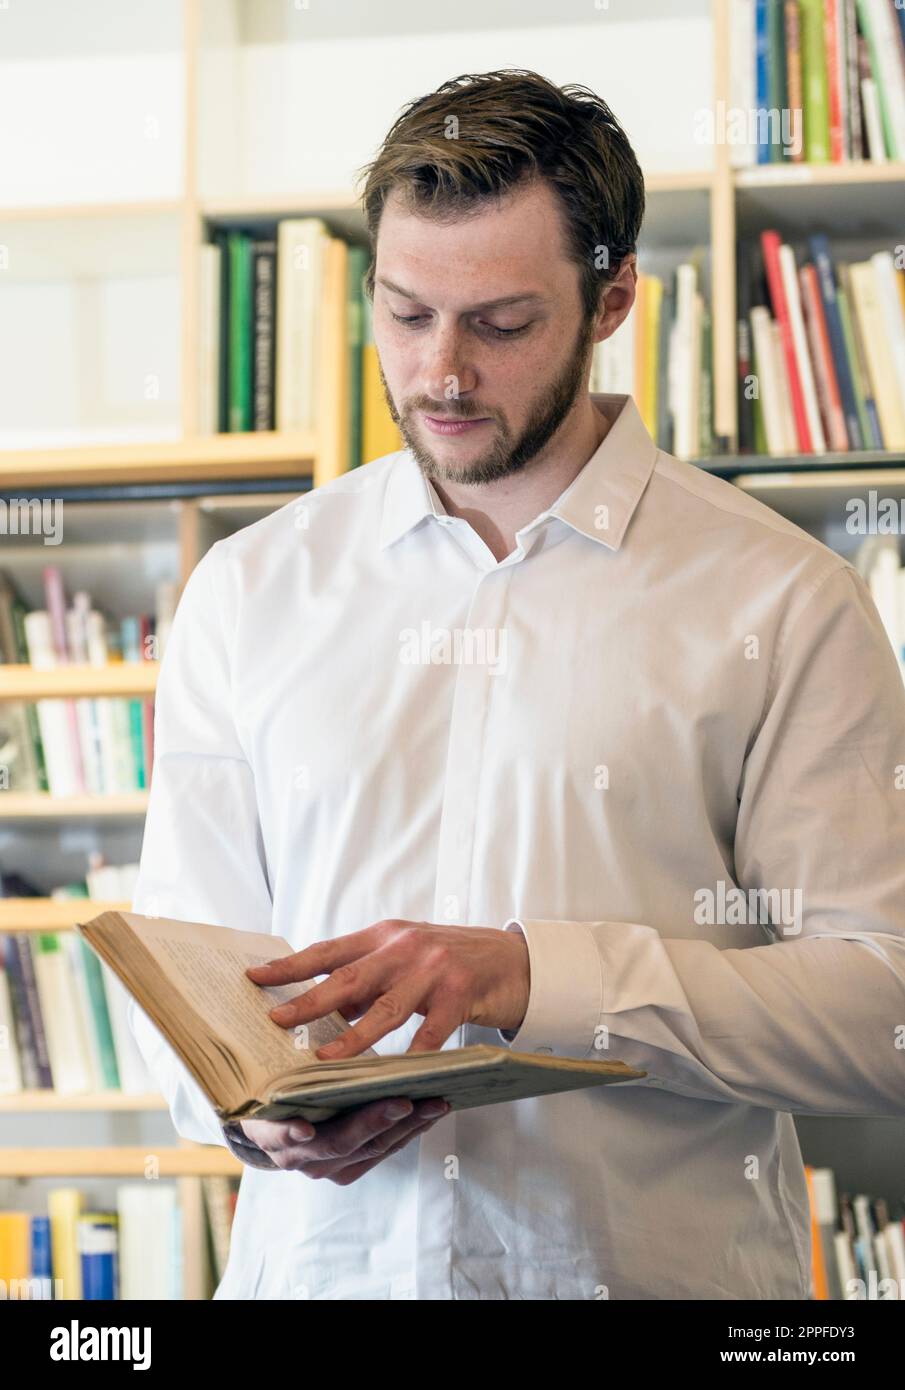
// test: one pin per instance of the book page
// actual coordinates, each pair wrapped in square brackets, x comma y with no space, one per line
[207,965]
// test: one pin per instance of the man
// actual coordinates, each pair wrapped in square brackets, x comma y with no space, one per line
[514,735]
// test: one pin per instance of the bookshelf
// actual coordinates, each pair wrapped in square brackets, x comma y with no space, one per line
[219,125]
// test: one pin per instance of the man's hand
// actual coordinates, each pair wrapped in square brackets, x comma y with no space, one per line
[345,1148]
[449,975]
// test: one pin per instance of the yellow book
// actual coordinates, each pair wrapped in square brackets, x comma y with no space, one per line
[878,350]
[379,433]
[64,1205]
[653,301]
[640,344]
[333,403]
[15,1258]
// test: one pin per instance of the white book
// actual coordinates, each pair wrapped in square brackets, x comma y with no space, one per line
[67,1045]
[892,311]
[134,1077]
[884,587]
[787,414]
[86,707]
[800,341]
[895,1245]
[82,1005]
[300,257]
[682,362]
[209,272]
[617,360]
[53,716]
[148,1230]
[845,1262]
[742,83]
[873,123]
[10,1071]
[767,385]
[888,49]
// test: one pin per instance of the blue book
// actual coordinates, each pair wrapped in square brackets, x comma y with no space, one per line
[41,1261]
[826,274]
[762,74]
[97,1237]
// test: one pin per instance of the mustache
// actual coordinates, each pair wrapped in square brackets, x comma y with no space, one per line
[463,411]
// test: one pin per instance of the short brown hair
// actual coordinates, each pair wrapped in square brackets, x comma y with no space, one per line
[510,126]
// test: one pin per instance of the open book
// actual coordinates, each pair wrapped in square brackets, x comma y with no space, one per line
[190,979]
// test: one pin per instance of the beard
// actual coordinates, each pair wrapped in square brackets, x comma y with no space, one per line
[507,454]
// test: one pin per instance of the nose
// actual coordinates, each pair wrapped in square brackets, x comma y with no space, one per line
[447,371]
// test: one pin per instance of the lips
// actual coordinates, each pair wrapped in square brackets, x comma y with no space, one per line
[451,425]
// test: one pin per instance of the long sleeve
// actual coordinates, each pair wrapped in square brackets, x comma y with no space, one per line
[814,1020]
[202,856]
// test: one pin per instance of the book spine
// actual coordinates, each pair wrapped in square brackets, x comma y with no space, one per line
[264,279]
[826,276]
[770,245]
[814,81]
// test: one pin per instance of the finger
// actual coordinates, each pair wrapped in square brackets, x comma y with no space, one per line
[353,1171]
[379,1148]
[317,959]
[304,1157]
[439,1024]
[388,1012]
[340,1137]
[356,980]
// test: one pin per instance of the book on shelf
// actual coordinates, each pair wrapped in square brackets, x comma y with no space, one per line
[878,562]
[820,350]
[278,311]
[189,977]
[857,1244]
[63,1011]
[133,1250]
[88,744]
[817,81]
[661,356]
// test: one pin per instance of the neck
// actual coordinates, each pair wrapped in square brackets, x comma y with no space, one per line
[499,509]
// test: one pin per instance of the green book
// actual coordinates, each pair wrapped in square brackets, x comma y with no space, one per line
[760,429]
[848,334]
[777,84]
[239,246]
[814,83]
[869,30]
[99,1016]
[357,266]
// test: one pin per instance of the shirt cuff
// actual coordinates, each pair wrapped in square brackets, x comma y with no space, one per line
[239,1144]
[565,995]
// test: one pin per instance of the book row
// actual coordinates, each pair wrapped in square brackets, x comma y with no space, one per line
[817,81]
[63,1013]
[133,1251]
[68,746]
[820,350]
[857,1244]
[277,313]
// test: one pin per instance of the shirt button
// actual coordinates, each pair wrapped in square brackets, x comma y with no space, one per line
[544,1049]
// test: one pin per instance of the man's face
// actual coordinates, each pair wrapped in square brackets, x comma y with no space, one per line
[476,386]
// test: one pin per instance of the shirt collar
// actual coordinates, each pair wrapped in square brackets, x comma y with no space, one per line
[599,502]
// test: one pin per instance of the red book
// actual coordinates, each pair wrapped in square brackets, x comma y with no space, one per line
[828,394]
[770,244]
[832,40]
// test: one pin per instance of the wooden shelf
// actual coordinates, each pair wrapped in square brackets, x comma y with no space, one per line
[51,914]
[251,454]
[837,175]
[36,806]
[196,1162]
[804,465]
[118,678]
[29,1102]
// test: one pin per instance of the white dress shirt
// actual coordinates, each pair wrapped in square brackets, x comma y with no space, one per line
[664,695]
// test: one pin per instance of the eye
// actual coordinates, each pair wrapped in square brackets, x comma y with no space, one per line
[505,332]
[401,318]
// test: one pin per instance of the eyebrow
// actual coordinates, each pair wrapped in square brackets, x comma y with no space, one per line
[485,304]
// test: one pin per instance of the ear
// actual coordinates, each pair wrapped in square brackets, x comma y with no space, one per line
[616,299]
